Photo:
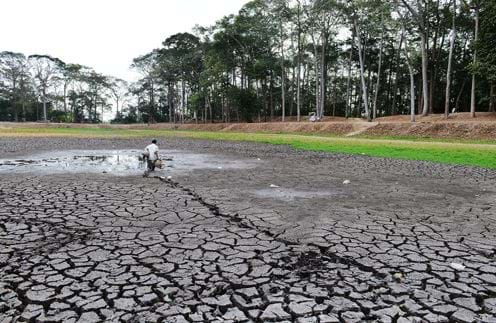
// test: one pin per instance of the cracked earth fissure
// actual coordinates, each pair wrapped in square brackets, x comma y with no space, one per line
[208,247]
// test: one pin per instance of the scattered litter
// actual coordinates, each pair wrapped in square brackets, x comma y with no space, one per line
[273,186]
[398,276]
[169,177]
[457,266]
[219,167]
[258,159]
[363,154]
[346,182]
[162,178]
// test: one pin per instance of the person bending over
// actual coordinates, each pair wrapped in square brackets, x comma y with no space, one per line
[151,156]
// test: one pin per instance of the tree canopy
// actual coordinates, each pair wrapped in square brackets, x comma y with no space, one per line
[280,59]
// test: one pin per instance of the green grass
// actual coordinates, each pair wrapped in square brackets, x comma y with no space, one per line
[481,154]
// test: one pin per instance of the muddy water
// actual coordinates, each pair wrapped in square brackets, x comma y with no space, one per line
[117,162]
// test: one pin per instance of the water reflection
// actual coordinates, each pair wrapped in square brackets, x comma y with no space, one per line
[118,162]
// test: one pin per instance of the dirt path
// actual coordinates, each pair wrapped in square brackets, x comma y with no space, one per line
[227,245]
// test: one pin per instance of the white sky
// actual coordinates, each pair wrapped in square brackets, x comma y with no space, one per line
[103,34]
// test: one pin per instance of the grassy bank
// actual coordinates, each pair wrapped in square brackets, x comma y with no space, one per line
[459,153]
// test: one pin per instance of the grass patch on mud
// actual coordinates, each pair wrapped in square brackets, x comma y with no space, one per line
[482,154]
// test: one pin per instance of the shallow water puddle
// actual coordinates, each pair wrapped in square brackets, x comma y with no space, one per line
[117,162]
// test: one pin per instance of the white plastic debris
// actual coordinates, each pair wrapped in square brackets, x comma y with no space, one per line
[258,159]
[346,182]
[273,186]
[398,276]
[457,266]
[169,177]
[219,167]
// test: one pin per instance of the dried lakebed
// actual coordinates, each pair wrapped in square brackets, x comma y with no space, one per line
[242,232]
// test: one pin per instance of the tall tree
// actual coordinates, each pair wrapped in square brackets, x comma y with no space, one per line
[418,13]
[450,62]
[14,71]
[45,70]
[475,6]
[485,47]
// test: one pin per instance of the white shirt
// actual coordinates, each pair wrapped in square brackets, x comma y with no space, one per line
[152,151]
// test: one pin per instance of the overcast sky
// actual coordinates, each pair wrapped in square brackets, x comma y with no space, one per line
[103,34]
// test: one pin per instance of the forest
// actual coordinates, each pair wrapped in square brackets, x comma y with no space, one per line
[280,60]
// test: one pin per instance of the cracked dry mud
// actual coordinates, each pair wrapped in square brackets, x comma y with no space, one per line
[221,245]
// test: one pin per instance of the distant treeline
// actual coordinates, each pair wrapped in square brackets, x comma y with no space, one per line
[41,87]
[280,58]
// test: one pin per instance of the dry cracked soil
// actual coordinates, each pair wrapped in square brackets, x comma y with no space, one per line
[279,239]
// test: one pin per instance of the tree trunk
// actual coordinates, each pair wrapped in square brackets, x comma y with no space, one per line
[14,101]
[323,77]
[434,60]
[376,92]
[210,111]
[425,85]
[24,109]
[117,106]
[476,37]
[298,76]
[183,99]
[271,98]
[348,83]
[291,93]
[459,96]
[362,72]
[396,78]
[492,96]
[44,106]
[317,82]
[65,99]
[412,86]
[450,60]
[283,81]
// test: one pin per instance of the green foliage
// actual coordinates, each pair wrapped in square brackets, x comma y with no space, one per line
[246,101]
[487,41]
[268,48]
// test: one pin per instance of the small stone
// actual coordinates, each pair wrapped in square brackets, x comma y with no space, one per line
[457,266]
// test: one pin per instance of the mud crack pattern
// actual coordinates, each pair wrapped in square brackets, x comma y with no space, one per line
[89,248]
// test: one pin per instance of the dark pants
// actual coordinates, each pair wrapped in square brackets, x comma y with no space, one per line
[150,165]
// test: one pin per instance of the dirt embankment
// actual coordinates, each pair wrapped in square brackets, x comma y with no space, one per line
[455,130]
[459,126]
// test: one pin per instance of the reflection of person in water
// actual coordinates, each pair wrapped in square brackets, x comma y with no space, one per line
[151,156]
